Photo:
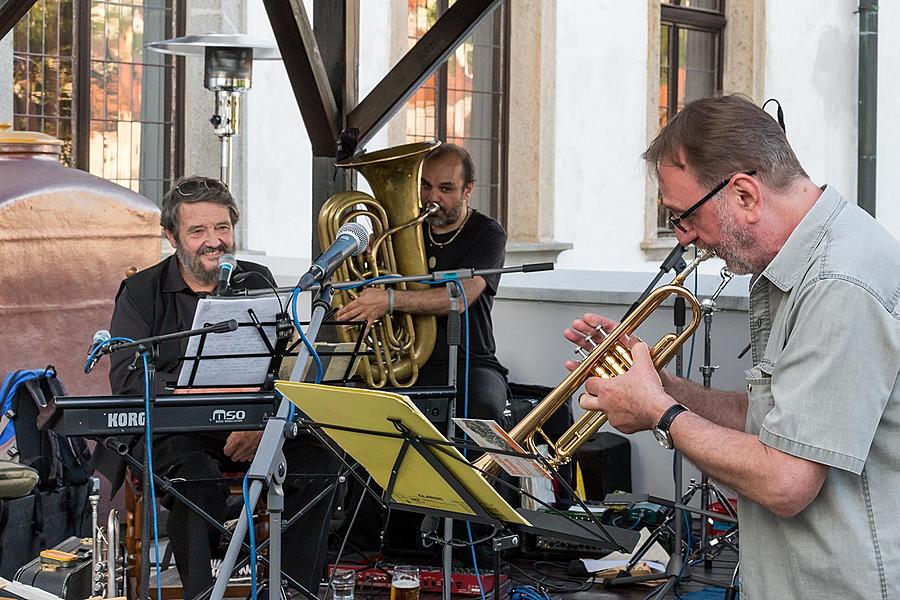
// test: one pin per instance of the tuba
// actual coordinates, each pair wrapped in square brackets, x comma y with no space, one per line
[401,342]
[607,359]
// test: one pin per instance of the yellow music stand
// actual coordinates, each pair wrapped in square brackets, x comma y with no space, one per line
[419,469]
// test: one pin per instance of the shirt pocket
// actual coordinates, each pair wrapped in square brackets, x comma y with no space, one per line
[759,397]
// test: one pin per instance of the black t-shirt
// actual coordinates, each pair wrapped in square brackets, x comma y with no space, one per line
[481,244]
[157,301]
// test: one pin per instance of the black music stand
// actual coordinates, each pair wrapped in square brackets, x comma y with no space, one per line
[420,470]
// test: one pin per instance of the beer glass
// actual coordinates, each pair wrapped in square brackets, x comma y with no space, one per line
[405,583]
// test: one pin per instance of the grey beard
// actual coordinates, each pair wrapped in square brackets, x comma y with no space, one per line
[737,247]
[193,265]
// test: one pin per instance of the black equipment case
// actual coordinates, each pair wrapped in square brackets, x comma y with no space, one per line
[68,579]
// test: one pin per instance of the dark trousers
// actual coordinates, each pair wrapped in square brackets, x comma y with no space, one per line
[199,456]
[488,390]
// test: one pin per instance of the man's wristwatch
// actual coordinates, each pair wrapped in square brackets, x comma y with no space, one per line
[665,422]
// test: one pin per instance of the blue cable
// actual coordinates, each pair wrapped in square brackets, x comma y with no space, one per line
[148,439]
[101,346]
[252,534]
[462,291]
[295,295]
[312,351]
[149,442]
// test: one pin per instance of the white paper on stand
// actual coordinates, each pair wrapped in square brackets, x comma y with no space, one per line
[244,371]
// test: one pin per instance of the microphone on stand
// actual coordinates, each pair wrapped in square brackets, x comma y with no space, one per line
[227,264]
[100,338]
[352,239]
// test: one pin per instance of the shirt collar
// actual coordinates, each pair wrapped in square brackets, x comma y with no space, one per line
[790,262]
[172,279]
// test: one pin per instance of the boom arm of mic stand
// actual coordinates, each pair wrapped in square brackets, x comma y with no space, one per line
[673,261]
[265,463]
[438,276]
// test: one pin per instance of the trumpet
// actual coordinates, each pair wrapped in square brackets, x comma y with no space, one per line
[607,359]
[106,573]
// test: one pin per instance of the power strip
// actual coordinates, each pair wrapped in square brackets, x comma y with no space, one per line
[463,581]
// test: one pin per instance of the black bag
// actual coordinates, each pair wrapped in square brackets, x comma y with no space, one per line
[39,521]
[60,461]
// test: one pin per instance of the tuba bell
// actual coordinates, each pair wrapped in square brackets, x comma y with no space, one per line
[401,342]
[607,359]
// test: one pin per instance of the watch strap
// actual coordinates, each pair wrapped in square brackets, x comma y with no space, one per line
[665,421]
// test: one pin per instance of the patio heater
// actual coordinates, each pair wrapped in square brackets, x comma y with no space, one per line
[227,71]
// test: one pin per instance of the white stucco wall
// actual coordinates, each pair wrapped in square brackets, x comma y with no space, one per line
[601,91]
[279,156]
[811,67]
[888,209]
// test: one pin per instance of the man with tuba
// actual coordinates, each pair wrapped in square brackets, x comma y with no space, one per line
[456,236]
[810,447]
[198,216]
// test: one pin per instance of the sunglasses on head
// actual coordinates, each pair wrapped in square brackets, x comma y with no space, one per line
[193,186]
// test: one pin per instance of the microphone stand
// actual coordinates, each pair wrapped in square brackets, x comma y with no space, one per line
[673,261]
[673,571]
[149,347]
[454,337]
[269,466]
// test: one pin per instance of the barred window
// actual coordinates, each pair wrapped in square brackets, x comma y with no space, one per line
[463,102]
[119,121]
[690,62]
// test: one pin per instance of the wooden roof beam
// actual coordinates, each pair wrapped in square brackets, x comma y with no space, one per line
[10,13]
[417,65]
[307,74]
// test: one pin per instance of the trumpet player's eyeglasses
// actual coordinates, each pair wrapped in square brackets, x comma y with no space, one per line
[192,186]
[675,222]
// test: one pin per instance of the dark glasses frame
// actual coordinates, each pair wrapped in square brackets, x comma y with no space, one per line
[675,222]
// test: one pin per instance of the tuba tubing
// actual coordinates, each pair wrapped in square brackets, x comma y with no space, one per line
[401,342]
[608,359]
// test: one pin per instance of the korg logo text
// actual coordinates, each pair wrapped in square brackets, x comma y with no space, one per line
[228,416]
[125,419]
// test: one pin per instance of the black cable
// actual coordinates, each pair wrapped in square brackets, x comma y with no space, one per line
[779,112]
[542,582]
[245,275]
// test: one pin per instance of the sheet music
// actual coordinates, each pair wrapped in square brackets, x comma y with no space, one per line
[245,340]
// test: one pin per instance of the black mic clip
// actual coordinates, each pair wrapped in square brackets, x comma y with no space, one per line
[347,142]
[284,328]
[428,532]
[674,260]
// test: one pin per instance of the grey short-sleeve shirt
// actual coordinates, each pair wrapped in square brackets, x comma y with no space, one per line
[825,336]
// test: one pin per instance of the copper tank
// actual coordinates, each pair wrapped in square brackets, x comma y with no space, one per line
[67,239]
